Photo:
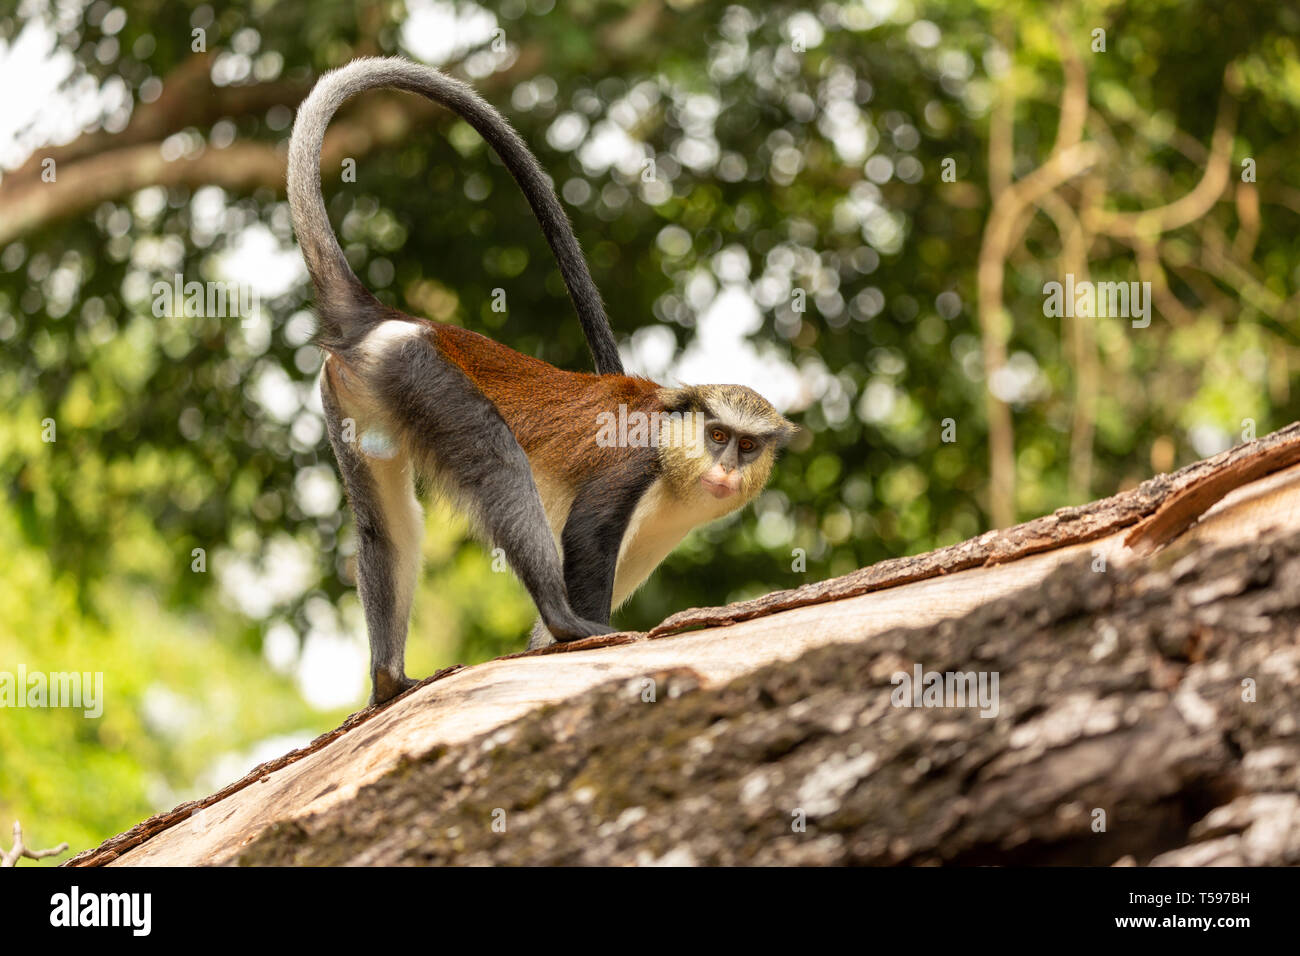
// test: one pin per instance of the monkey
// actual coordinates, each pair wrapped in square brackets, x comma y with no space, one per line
[582,517]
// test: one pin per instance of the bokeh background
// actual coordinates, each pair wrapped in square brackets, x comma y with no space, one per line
[761,192]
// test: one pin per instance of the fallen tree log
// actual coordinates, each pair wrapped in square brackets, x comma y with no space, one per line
[1121,733]
[1120,706]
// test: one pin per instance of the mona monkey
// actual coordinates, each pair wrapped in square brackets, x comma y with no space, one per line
[512,440]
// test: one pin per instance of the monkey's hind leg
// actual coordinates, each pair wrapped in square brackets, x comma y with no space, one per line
[389,528]
[476,456]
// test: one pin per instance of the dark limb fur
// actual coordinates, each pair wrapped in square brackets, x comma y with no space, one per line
[594,532]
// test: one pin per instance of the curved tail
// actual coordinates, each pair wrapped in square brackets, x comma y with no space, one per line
[341,294]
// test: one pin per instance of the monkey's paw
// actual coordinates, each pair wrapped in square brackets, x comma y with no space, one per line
[578,628]
[386,687]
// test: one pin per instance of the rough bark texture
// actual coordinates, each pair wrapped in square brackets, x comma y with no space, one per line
[114,846]
[1120,691]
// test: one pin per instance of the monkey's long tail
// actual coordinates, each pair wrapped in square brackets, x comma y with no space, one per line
[341,294]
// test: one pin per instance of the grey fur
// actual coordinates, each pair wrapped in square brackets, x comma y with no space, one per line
[540,636]
[338,289]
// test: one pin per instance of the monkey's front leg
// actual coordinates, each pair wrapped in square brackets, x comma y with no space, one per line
[593,534]
[592,538]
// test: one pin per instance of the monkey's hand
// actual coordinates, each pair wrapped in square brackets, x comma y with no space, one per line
[574,628]
[581,630]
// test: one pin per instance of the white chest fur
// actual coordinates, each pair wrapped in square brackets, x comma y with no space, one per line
[659,523]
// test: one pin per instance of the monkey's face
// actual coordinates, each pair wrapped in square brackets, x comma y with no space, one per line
[737,436]
[732,452]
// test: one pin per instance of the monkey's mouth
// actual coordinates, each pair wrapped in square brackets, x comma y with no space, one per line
[721,487]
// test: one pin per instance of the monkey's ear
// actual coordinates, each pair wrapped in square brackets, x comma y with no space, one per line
[677,399]
[786,432]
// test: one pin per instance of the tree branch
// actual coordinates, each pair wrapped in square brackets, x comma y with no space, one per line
[241,167]
[1196,203]
[100,166]
[1074,259]
[999,236]
[11,856]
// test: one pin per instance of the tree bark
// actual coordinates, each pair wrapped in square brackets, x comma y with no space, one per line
[1145,715]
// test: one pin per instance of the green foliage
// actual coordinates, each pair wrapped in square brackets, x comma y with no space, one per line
[167,442]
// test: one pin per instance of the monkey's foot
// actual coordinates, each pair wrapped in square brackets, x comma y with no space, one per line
[386,686]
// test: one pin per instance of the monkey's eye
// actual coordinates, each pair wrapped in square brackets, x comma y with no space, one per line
[719,436]
[746,444]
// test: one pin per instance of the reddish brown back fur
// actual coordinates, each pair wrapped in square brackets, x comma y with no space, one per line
[553,413]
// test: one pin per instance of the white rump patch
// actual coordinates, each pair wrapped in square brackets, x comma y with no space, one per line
[386,336]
